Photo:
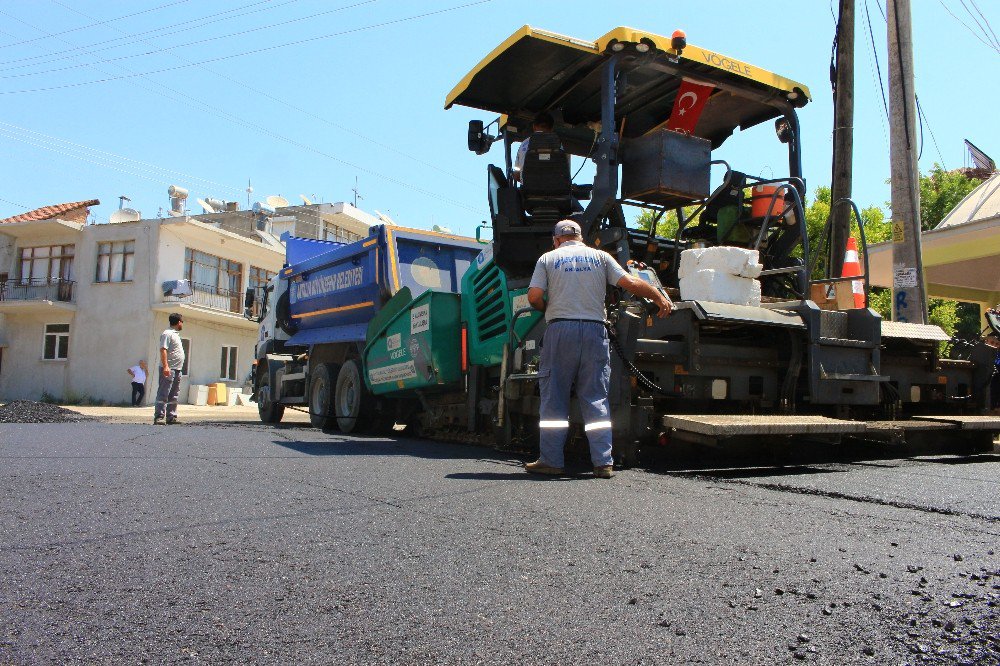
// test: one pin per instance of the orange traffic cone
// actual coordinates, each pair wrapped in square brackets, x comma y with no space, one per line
[852,268]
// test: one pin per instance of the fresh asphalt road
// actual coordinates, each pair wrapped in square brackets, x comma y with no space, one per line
[129,543]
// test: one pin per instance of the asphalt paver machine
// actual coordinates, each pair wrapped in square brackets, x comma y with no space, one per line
[649,111]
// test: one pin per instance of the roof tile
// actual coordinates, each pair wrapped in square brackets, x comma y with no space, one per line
[50,212]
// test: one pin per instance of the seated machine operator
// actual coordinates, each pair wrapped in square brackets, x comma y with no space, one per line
[543,122]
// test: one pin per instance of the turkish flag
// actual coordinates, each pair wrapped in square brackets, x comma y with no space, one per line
[690,100]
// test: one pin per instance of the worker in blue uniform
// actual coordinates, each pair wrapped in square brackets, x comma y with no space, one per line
[569,285]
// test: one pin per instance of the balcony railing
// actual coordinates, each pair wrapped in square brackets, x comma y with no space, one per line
[37,289]
[215,298]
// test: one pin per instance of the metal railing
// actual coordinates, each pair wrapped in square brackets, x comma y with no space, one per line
[37,289]
[216,298]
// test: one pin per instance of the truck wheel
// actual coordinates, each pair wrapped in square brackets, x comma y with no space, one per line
[353,403]
[321,396]
[269,411]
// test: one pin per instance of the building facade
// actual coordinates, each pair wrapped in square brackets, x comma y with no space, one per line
[81,303]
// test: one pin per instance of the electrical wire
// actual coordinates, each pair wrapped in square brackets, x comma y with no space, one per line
[69,146]
[12,203]
[94,25]
[878,68]
[976,21]
[307,147]
[188,25]
[971,31]
[287,104]
[241,54]
[985,20]
[924,121]
[240,33]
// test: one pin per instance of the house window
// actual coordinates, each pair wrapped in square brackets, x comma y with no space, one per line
[339,234]
[259,277]
[115,261]
[217,278]
[56,342]
[47,263]
[186,345]
[227,367]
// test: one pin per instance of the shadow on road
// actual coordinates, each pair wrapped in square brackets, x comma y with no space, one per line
[767,460]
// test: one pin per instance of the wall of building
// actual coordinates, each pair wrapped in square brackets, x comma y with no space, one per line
[113,322]
[114,325]
[24,375]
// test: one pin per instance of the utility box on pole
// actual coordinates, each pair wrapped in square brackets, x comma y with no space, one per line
[909,298]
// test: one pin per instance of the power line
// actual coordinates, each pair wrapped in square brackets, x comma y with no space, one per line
[283,102]
[976,21]
[12,203]
[924,121]
[971,31]
[985,20]
[310,148]
[878,68]
[94,25]
[251,52]
[240,33]
[69,145]
[189,24]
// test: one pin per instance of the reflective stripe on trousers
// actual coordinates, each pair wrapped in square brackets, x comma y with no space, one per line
[574,353]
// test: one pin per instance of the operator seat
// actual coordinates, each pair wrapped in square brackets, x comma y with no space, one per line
[546,184]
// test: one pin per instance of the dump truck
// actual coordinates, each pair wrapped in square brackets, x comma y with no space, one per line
[313,316]
[649,112]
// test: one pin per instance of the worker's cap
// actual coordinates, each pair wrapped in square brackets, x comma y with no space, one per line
[566,228]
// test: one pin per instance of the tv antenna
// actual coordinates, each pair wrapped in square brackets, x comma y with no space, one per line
[355,190]
[121,201]
[249,192]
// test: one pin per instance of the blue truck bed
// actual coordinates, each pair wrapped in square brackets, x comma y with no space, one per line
[336,289]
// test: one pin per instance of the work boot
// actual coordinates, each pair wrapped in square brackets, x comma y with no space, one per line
[172,421]
[604,472]
[157,420]
[538,467]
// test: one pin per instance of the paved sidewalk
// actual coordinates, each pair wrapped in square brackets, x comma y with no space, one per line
[186,414]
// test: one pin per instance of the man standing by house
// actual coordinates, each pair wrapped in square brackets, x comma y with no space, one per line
[138,375]
[575,345]
[171,363]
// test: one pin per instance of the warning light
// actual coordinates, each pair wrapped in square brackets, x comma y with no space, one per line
[678,40]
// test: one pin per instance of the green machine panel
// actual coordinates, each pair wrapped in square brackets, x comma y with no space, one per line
[418,347]
[488,306]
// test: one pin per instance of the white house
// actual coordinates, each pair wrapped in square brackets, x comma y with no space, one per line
[80,303]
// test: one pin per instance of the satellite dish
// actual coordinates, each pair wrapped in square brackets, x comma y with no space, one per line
[305,200]
[125,215]
[441,230]
[276,201]
[207,206]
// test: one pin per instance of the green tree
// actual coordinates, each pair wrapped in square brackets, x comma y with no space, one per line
[941,191]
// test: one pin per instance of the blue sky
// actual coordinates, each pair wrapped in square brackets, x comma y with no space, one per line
[304,106]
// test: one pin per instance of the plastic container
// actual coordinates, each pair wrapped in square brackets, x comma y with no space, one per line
[221,391]
[760,200]
[198,394]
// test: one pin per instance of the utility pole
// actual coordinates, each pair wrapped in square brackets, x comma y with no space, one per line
[909,299]
[843,137]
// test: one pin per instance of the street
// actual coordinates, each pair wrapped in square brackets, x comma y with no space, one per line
[244,543]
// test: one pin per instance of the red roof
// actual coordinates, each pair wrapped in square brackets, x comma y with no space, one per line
[50,212]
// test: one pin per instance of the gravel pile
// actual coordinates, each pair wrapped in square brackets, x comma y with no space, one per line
[29,411]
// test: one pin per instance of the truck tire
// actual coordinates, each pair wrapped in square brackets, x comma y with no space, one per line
[269,411]
[353,403]
[321,390]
